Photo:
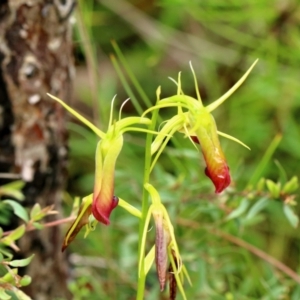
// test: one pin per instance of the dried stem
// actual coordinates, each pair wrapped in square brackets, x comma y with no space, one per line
[254,250]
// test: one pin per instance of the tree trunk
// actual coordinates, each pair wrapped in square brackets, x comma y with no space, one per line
[36,58]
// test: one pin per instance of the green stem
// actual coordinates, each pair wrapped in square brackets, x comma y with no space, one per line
[145,205]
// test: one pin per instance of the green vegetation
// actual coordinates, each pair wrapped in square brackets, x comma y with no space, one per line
[241,244]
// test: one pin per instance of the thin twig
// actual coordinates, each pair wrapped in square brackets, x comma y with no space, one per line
[241,243]
[10,175]
[30,227]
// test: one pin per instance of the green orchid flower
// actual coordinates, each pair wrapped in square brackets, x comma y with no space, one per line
[86,218]
[198,124]
[107,152]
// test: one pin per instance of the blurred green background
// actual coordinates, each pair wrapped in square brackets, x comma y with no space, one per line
[221,39]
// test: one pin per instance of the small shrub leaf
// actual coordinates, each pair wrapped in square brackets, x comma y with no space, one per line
[290,215]
[36,209]
[21,262]
[19,210]
[273,188]
[291,186]
[26,280]
[3,295]
[256,208]
[239,210]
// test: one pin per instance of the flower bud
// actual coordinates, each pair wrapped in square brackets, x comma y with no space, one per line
[162,241]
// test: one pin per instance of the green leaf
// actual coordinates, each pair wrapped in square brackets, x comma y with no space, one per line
[274,188]
[21,295]
[15,185]
[17,233]
[290,215]
[37,213]
[3,295]
[14,235]
[291,186]
[239,210]
[19,210]
[36,209]
[6,253]
[21,262]
[13,189]
[8,277]
[26,280]
[257,207]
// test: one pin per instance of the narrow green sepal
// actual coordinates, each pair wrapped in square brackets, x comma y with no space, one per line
[233,139]
[219,101]
[81,220]
[98,132]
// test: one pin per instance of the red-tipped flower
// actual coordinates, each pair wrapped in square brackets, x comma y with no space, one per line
[207,136]
[104,200]
[196,121]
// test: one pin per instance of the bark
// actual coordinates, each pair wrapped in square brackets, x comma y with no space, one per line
[36,58]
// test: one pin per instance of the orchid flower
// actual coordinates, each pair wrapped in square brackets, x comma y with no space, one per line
[86,218]
[198,124]
[107,152]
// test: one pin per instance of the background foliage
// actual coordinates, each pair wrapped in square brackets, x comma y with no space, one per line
[222,39]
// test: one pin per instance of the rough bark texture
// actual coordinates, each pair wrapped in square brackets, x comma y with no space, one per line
[36,58]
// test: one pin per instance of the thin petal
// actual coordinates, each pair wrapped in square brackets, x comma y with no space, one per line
[131,209]
[100,133]
[196,84]
[219,101]
[81,220]
[233,139]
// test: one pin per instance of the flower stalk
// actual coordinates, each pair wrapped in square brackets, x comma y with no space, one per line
[145,205]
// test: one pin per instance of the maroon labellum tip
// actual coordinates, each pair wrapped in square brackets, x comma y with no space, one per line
[102,212]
